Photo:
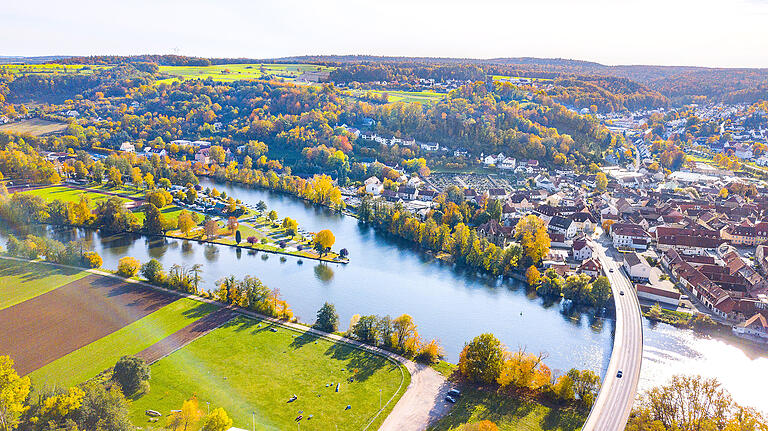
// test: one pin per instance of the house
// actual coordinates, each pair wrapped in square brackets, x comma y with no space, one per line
[407,193]
[373,186]
[755,326]
[636,267]
[489,160]
[657,294]
[494,232]
[691,241]
[427,195]
[203,156]
[628,236]
[429,146]
[497,193]
[460,152]
[390,195]
[508,163]
[72,113]
[201,144]
[585,222]
[545,183]
[591,267]
[127,147]
[149,151]
[565,226]
[581,250]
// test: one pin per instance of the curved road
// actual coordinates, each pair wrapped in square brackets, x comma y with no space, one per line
[617,395]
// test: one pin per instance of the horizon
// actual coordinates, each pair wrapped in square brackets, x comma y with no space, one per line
[655,33]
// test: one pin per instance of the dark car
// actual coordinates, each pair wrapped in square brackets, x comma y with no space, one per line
[619,374]
[621,293]
[455,393]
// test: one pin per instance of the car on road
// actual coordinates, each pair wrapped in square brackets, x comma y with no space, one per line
[621,292]
[455,393]
[610,270]
[450,399]
[619,374]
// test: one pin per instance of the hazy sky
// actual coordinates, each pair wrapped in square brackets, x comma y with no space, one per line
[728,33]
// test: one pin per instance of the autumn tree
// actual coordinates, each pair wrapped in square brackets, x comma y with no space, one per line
[128,266]
[232,224]
[132,373]
[533,236]
[601,182]
[211,228]
[185,222]
[291,226]
[586,385]
[13,393]
[482,359]
[532,276]
[217,420]
[324,240]
[186,418]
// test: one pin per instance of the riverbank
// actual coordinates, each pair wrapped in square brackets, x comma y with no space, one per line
[268,236]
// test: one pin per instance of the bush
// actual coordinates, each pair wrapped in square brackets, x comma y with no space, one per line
[92,259]
[128,266]
[429,353]
[132,374]
[153,271]
[327,318]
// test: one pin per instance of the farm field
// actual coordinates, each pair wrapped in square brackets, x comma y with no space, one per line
[20,281]
[246,368]
[51,69]
[235,72]
[90,360]
[509,413]
[405,96]
[66,319]
[34,126]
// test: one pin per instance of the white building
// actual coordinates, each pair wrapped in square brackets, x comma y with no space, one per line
[637,268]
[127,147]
[373,186]
[756,326]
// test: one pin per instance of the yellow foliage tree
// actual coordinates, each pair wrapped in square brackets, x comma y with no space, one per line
[13,392]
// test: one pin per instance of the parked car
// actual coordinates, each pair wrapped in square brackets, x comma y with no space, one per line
[450,399]
[610,270]
[455,393]
[621,293]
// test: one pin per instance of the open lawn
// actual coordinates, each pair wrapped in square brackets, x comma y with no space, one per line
[508,413]
[88,361]
[34,126]
[235,72]
[405,96]
[67,194]
[20,281]
[246,368]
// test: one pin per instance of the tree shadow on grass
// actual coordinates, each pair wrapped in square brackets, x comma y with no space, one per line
[201,309]
[303,339]
[30,272]
[478,405]
[363,364]
[562,419]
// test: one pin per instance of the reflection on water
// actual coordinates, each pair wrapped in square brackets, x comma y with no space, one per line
[323,272]
[388,276]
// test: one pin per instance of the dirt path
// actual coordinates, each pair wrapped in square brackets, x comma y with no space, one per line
[72,316]
[186,335]
[422,404]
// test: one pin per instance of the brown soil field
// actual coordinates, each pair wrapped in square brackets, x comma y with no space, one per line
[186,335]
[42,329]
[34,126]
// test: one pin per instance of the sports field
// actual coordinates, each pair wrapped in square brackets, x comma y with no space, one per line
[235,72]
[252,372]
[20,281]
[34,126]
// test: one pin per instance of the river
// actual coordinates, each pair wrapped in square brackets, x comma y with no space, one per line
[388,276]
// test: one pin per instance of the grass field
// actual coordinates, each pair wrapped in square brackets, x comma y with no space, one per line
[508,413]
[20,281]
[34,126]
[67,194]
[235,72]
[248,370]
[404,96]
[94,358]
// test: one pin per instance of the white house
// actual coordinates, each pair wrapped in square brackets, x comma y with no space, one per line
[627,236]
[756,326]
[581,250]
[508,163]
[565,226]
[489,160]
[373,186]
[152,151]
[127,147]
[655,294]
[545,183]
[429,146]
[637,268]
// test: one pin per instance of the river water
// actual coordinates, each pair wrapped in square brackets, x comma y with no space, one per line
[388,276]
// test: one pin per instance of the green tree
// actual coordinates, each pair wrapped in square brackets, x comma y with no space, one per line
[290,225]
[586,385]
[153,271]
[272,215]
[600,292]
[366,330]
[327,318]
[132,374]
[482,359]
[153,219]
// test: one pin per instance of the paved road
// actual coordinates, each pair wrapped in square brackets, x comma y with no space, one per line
[617,395]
